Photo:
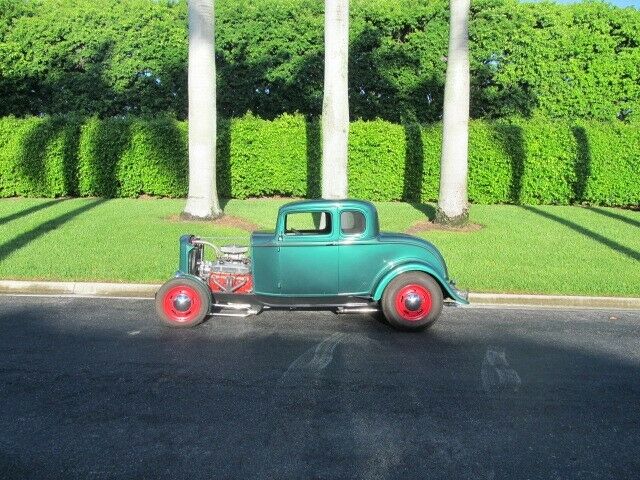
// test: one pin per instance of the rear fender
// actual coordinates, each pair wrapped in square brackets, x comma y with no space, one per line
[447,290]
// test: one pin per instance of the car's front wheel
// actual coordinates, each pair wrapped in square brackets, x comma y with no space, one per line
[412,301]
[183,302]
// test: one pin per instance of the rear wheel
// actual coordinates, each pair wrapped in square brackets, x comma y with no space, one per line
[412,301]
[183,302]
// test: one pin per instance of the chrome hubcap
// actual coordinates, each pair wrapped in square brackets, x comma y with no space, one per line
[413,302]
[182,303]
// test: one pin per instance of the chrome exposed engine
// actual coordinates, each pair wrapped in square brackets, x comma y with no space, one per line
[230,272]
[234,259]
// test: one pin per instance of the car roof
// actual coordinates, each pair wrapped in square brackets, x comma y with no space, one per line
[321,203]
[368,209]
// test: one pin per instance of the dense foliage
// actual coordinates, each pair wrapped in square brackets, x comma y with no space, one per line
[519,161]
[122,57]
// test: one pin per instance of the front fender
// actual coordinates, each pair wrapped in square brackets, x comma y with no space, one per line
[195,278]
[179,274]
[448,289]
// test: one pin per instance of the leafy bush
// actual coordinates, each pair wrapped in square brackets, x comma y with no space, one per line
[128,57]
[609,161]
[129,157]
[38,157]
[534,161]
[267,157]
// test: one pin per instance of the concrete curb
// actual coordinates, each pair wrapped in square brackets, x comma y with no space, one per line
[142,290]
[564,301]
[87,289]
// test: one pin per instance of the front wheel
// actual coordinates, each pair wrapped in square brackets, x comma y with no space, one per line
[183,302]
[412,301]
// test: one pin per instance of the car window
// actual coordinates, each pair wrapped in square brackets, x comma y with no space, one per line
[307,223]
[352,222]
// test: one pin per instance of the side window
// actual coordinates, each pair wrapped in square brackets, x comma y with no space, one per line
[352,222]
[307,223]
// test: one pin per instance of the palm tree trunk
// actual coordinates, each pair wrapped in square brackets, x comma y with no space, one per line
[453,206]
[203,196]
[335,107]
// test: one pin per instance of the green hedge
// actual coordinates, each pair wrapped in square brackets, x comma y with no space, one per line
[535,161]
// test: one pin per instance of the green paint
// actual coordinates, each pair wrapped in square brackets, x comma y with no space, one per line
[185,252]
[325,260]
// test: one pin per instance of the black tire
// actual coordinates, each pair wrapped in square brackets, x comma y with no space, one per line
[425,293]
[196,300]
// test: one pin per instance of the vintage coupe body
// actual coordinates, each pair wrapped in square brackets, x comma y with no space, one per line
[323,254]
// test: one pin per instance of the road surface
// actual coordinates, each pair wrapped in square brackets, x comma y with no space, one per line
[96,388]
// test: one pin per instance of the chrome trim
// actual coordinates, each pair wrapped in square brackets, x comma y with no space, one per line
[182,302]
[199,241]
[357,310]
[234,306]
[413,302]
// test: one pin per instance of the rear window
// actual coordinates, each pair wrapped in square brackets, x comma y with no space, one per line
[352,222]
[307,223]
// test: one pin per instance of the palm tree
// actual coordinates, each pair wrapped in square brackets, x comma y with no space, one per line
[202,201]
[335,106]
[453,206]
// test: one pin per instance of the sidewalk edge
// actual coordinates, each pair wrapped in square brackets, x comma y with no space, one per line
[143,290]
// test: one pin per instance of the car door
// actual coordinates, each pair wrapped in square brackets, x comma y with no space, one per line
[308,255]
[359,253]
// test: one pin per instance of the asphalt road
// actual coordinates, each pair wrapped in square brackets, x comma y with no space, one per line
[96,388]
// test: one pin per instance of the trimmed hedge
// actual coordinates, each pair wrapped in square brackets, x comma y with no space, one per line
[133,156]
[535,161]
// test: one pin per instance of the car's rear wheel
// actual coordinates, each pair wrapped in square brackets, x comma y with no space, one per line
[183,302]
[412,301]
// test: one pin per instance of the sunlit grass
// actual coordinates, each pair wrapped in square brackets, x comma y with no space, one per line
[563,250]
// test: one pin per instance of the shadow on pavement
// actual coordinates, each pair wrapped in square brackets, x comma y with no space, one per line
[97,388]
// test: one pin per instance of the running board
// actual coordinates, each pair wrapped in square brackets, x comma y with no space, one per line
[249,309]
[357,310]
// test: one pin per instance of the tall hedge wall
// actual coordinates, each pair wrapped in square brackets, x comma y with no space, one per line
[519,161]
[128,57]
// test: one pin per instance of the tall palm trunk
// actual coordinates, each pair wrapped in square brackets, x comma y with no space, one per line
[335,107]
[453,206]
[203,196]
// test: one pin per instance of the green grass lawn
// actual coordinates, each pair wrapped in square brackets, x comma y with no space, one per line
[562,250]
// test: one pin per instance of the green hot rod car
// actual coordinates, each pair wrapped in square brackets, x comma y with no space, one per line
[323,254]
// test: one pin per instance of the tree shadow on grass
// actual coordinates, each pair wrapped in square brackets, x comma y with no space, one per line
[615,216]
[629,252]
[426,209]
[25,238]
[28,211]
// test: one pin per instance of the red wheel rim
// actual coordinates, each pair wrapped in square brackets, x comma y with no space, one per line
[413,302]
[181,304]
